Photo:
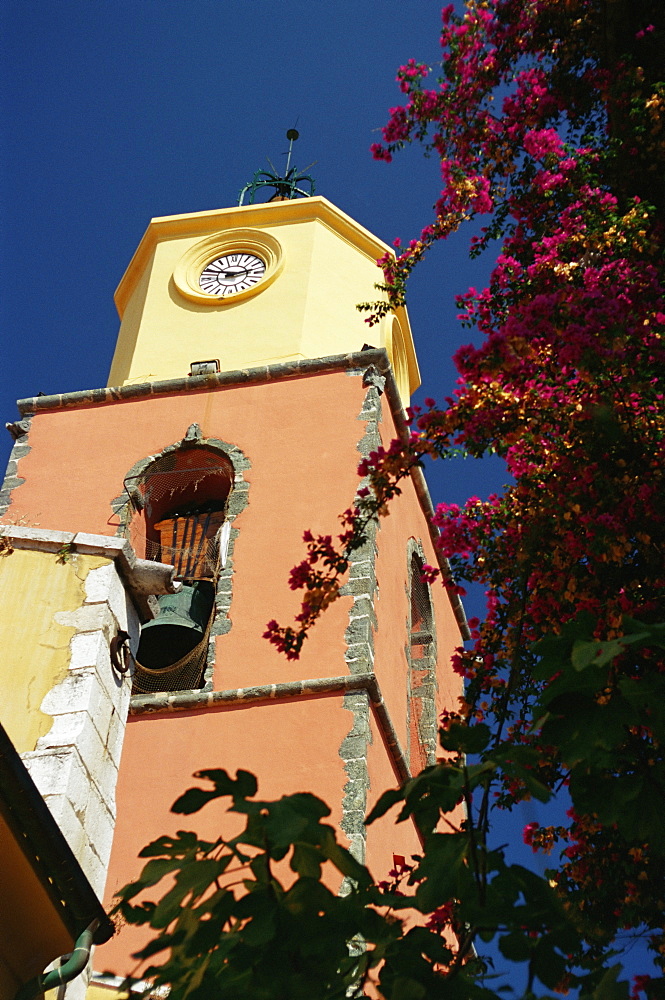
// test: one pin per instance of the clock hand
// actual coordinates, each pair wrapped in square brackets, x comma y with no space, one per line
[235,274]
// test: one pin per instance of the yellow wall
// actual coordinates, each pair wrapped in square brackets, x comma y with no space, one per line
[328,265]
[96,991]
[34,648]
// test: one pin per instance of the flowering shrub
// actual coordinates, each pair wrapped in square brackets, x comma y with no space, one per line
[549,122]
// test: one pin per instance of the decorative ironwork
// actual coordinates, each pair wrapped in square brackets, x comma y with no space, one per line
[286,186]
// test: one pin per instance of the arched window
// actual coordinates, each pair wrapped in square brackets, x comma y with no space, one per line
[422,674]
[180,504]
[181,500]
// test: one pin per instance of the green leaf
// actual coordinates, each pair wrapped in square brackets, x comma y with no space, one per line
[536,788]
[384,803]
[160,943]
[435,790]
[243,786]
[655,632]
[646,695]
[521,762]
[516,946]
[479,774]
[293,817]
[262,927]
[152,873]
[197,975]
[631,801]
[345,863]
[407,989]
[260,868]
[609,989]
[192,800]
[590,731]
[465,738]
[595,653]
[557,647]
[184,843]
[442,864]
[135,914]
[306,860]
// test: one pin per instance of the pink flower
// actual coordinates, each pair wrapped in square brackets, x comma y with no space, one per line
[528,833]
[640,984]
[428,574]
[540,143]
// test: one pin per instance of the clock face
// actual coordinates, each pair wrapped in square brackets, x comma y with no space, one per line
[232,273]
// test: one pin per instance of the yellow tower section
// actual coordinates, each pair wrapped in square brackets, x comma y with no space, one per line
[253,286]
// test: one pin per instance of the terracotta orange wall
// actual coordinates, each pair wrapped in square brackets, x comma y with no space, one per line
[384,837]
[391,666]
[301,439]
[80,456]
[291,746]
[406,521]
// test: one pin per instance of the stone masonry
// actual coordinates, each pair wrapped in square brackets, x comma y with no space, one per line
[75,765]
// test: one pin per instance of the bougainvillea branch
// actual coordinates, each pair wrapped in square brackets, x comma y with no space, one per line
[321,573]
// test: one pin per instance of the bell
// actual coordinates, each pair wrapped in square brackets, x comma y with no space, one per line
[179,627]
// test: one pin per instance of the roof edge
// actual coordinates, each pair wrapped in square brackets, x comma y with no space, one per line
[204,383]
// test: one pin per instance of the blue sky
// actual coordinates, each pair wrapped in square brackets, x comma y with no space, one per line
[114,112]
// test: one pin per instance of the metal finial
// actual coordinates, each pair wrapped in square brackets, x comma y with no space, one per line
[292,134]
[287,186]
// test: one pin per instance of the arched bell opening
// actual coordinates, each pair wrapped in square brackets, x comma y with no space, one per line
[180,502]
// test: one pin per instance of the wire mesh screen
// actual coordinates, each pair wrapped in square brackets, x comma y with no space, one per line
[422,713]
[183,675]
[179,478]
[421,613]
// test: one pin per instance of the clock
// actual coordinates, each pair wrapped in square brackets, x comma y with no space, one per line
[232,273]
[228,266]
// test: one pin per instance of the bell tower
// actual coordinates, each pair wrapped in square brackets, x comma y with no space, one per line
[241,398]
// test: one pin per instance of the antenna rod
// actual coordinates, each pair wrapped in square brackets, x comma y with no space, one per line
[291,135]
